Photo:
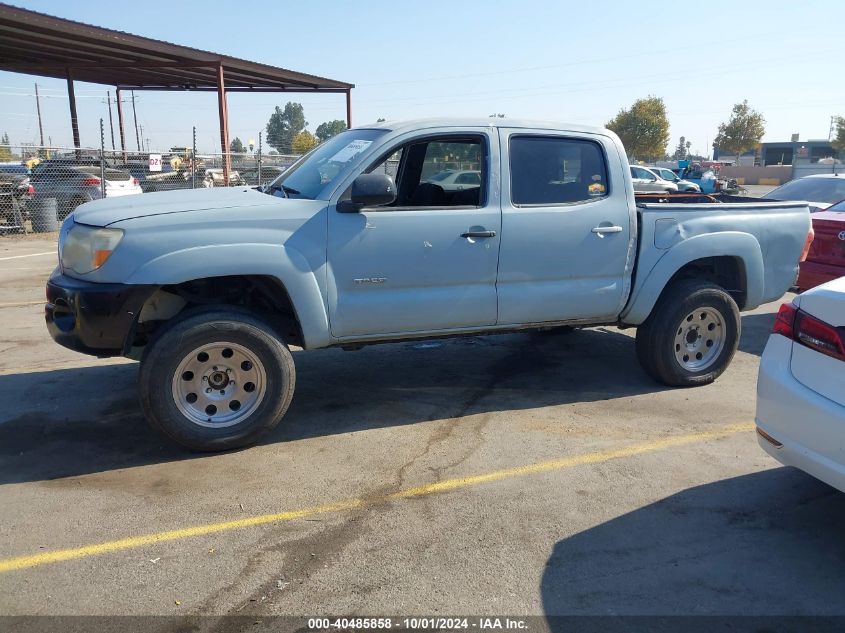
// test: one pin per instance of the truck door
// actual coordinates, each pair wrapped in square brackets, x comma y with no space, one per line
[566,228]
[428,261]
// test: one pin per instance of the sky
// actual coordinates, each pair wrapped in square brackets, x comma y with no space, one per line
[570,61]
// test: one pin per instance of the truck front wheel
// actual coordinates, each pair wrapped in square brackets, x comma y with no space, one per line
[216,380]
[691,335]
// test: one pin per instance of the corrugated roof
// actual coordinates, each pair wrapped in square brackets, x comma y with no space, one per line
[40,44]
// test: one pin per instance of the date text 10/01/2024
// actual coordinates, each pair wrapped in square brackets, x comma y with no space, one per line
[440,623]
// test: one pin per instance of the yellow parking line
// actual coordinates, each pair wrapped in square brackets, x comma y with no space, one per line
[69,364]
[23,303]
[447,485]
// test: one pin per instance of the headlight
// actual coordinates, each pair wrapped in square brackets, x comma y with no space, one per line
[86,248]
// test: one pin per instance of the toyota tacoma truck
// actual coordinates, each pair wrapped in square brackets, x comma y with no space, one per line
[357,243]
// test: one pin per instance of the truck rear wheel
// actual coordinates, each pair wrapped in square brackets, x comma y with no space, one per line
[691,335]
[216,380]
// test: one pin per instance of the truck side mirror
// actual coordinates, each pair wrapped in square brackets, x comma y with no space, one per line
[369,190]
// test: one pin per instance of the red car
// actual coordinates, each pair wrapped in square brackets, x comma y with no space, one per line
[826,259]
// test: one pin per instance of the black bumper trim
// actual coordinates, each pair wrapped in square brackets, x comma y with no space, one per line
[93,318]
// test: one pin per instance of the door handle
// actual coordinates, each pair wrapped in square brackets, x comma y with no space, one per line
[601,230]
[482,234]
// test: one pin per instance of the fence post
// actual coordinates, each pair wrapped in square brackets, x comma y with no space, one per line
[103,158]
[194,160]
[259,159]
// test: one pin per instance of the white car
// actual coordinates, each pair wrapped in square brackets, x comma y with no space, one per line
[820,190]
[801,385]
[671,176]
[456,180]
[646,181]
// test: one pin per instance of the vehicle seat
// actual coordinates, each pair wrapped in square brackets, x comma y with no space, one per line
[467,197]
[428,195]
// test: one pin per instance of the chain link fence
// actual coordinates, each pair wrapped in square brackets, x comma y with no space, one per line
[41,186]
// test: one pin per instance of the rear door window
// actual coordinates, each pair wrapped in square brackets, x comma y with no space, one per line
[556,170]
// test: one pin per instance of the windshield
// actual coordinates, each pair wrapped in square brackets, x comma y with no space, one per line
[837,207]
[321,167]
[826,190]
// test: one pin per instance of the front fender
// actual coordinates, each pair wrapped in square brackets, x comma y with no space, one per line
[283,262]
[743,246]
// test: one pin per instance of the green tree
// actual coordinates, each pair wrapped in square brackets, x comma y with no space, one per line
[303,141]
[644,128]
[284,125]
[838,140]
[497,115]
[5,147]
[682,150]
[742,132]
[237,146]
[329,129]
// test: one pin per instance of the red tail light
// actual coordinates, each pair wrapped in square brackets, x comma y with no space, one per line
[91,182]
[30,190]
[135,182]
[785,320]
[807,244]
[820,336]
[810,332]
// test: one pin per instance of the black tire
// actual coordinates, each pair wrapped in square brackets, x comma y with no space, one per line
[171,347]
[657,345]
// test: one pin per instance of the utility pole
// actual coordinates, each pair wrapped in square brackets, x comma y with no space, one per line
[142,137]
[111,124]
[38,107]
[135,117]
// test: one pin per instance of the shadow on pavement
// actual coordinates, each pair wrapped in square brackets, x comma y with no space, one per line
[755,332]
[767,543]
[70,422]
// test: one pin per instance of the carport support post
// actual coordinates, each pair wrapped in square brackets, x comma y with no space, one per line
[348,109]
[120,123]
[224,124]
[74,120]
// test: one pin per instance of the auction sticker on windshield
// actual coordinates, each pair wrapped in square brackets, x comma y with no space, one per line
[350,151]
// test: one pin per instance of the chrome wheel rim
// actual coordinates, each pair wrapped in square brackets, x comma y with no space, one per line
[699,339]
[219,384]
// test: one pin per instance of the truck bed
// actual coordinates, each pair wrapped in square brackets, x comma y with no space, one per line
[769,234]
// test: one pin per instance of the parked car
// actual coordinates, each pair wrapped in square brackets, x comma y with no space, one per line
[17,169]
[15,192]
[671,176]
[72,185]
[826,258]
[210,286]
[820,190]
[171,180]
[456,179]
[646,181]
[801,385]
[213,177]
[269,173]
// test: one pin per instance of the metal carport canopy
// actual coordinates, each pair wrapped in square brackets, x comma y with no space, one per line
[38,44]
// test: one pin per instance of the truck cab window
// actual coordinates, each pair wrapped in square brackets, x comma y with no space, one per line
[547,170]
[447,172]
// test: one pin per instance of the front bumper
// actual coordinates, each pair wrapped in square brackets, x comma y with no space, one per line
[93,318]
[810,428]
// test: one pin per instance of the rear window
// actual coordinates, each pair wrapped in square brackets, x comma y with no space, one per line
[555,170]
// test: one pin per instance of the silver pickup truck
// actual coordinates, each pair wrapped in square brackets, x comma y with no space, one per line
[535,225]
